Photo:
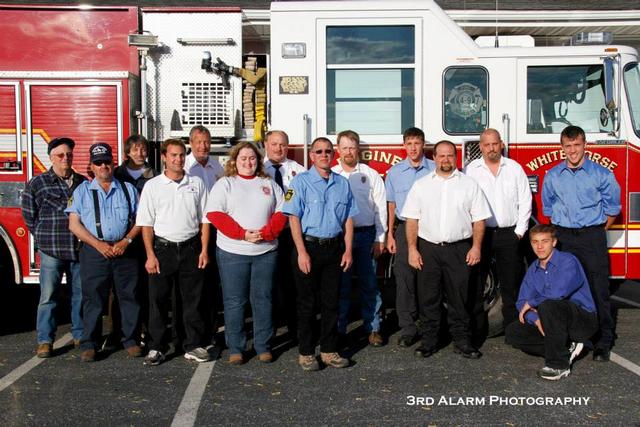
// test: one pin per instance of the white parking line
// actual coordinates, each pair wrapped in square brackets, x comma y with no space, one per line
[15,375]
[188,409]
[625,363]
[626,301]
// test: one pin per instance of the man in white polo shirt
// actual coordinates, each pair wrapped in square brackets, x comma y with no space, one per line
[370,228]
[507,190]
[172,214]
[446,209]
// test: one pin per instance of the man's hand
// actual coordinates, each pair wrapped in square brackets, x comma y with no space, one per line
[526,307]
[203,259]
[253,236]
[120,247]
[391,243]
[105,249]
[415,260]
[152,265]
[473,256]
[539,326]
[346,261]
[377,249]
[304,262]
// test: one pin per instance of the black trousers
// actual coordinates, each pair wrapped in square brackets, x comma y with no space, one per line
[320,287]
[562,322]
[284,288]
[97,274]
[211,305]
[406,278]
[179,267]
[444,273]
[589,245]
[503,245]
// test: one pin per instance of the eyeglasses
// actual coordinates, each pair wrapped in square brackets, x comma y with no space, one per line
[102,162]
[63,155]
[319,152]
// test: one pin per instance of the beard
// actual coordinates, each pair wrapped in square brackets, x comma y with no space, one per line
[448,167]
[349,160]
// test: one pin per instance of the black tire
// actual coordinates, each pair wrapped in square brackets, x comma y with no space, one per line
[492,300]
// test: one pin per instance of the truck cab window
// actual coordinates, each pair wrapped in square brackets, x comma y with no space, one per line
[558,96]
[465,100]
[370,79]
[632,85]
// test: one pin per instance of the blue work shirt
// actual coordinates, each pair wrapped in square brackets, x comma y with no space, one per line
[401,177]
[323,206]
[563,278]
[580,198]
[113,208]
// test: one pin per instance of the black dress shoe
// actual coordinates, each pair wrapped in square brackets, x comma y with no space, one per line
[406,340]
[423,351]
[467,351]
[601,354]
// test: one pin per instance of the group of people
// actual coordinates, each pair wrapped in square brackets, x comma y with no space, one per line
[287,241]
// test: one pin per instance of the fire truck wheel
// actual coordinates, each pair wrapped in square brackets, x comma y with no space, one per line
[493,303]
[6,266]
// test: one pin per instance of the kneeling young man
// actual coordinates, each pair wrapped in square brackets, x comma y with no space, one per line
[556,308]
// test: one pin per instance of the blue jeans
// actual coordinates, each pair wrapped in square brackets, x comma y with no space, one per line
[247,278]
[365,267]
[51,270]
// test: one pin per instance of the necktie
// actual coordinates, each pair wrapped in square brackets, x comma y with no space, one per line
[278,175]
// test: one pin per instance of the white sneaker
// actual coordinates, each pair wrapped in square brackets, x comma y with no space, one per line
[553,374]
[198,354]
[575,349]
[154,358]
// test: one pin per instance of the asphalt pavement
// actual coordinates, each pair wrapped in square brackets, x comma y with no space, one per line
[386,385]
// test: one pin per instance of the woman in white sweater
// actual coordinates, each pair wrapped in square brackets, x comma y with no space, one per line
[245,207]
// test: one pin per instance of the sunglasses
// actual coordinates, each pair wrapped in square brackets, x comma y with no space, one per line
[63,155]
[102,162]
[319,152]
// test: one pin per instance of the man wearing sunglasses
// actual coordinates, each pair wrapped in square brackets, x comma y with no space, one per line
[102,216]
[320,207]
[43,202]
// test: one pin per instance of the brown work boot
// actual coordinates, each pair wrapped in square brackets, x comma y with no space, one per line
[44,350]
[235,359]
[334,360]
[375,339]
[265,357]
[76,343]
[308,363]
[88,355]
[134,351]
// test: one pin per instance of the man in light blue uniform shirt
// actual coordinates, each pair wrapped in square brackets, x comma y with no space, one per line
[101,215]
[320,207]
[399,180]
[583,199]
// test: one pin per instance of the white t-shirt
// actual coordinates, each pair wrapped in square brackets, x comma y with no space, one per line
[446,208]
[174,210]
[251,203]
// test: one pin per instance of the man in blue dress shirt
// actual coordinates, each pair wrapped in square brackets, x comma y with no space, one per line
[101,215]
[399,180]
[556,308]
[583,199]
[320,207]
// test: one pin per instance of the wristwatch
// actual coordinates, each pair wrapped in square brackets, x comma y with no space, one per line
[129,240]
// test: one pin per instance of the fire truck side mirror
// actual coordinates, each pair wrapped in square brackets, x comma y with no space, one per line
[609,95]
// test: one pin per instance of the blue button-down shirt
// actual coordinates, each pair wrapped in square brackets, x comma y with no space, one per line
[401,177]
[114,217]
[580,198]
[323,206]
[563,278]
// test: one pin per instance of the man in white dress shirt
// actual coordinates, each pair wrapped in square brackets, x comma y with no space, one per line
[445,212]
[283,170]
[370,228]
[199,163]
[506,187]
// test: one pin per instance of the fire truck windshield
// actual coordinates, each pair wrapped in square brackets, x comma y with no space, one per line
[632,85]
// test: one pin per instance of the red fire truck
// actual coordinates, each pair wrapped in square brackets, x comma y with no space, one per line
[374,67]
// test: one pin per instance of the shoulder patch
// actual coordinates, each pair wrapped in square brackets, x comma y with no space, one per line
[288,195]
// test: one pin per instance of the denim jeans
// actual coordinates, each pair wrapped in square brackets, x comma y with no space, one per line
[51,270]
[247,278]
[365,267]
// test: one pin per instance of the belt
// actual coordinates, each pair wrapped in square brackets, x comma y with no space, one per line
[323,240]
[501,229]
[400,221]
[581,230]
[364,228]
[457,242]
[165,242]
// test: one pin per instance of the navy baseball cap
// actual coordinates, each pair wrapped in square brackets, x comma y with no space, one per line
[100,151]
[56,142]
